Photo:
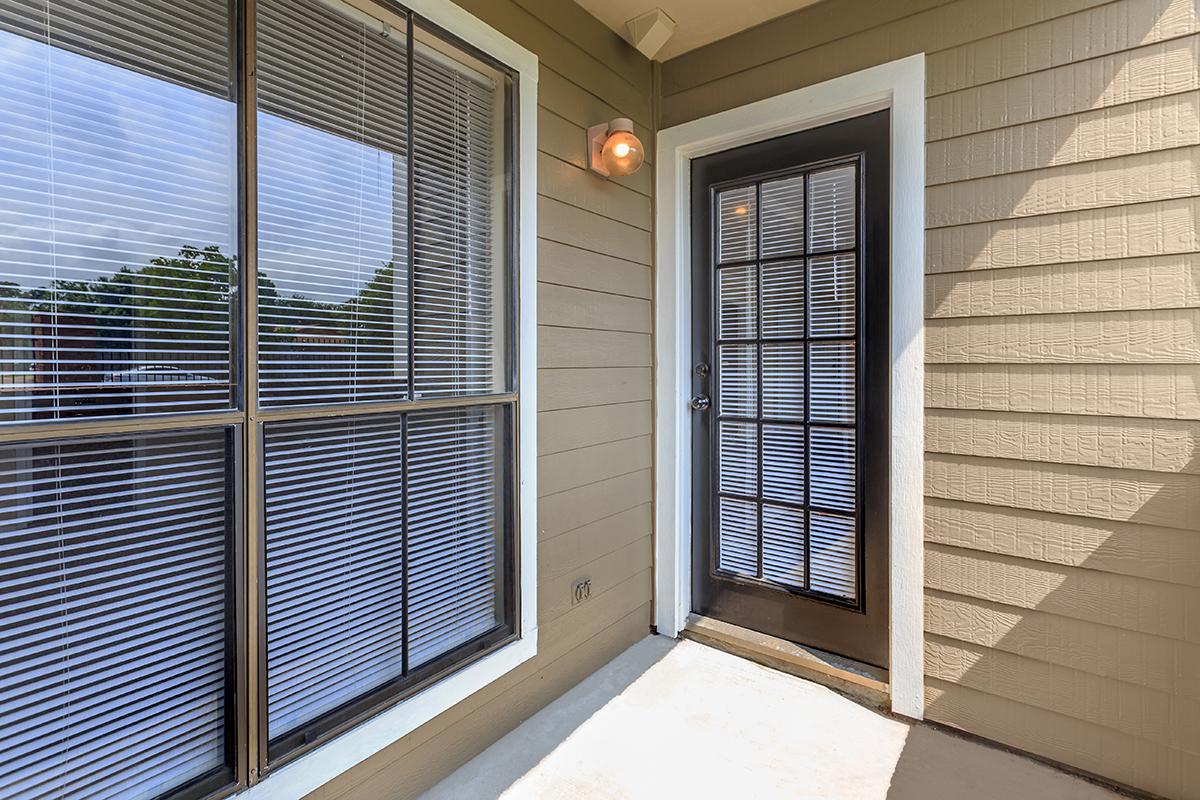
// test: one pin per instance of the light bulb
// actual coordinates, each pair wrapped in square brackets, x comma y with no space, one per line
[622,153]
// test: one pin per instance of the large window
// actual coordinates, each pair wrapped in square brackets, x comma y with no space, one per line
[258,393]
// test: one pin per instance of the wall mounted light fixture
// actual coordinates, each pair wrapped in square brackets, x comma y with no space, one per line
[613,149]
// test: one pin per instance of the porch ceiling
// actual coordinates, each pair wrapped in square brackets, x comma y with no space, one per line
[698,21]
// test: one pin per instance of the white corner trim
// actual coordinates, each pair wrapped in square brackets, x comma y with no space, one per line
[316,768]
[900,86]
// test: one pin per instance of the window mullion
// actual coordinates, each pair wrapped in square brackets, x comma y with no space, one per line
[410,207]
[411,332]
[252,706]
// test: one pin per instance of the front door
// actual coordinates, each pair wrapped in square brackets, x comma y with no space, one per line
[790,382]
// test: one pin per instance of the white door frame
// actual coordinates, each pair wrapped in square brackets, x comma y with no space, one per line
[900,86]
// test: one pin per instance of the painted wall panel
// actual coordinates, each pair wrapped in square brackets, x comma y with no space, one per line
[1063,355]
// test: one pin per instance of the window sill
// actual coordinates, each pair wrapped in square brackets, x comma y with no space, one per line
[316,768]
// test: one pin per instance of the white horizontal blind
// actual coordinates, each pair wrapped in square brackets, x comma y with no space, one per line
[787,317]
[117,219]
[113,659]
[188,43]
[455,529]
[332,206]
[336,547]
[458,226]
[335,553]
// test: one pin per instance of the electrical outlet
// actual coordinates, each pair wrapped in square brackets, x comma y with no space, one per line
[582,591]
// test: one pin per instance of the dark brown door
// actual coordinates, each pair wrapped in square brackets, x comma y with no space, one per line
[790,406]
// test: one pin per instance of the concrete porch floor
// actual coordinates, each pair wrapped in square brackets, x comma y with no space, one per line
[669,719]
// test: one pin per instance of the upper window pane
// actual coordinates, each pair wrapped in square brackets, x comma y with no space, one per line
[460,219]
[332,206]
[117,220]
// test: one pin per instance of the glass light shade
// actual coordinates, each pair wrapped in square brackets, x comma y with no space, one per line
[622,153]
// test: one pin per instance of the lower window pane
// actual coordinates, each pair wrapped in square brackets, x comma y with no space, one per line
[346,623]
[455,528]
[335,548]
[114,556]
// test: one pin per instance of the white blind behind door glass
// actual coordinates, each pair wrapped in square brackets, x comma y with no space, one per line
[114,652]
[787,372]
[118,217]
[332,206]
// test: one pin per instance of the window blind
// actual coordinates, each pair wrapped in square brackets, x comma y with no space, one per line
[458,234]
[118,216]
[332,204]
[114,657]
[336,506]
[335,581]
[187,43]
[787,374]
[455,529]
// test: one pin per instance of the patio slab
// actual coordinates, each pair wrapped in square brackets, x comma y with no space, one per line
[678,719]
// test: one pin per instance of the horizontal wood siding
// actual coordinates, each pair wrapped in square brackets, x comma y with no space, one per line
[594,423]
[1063,355]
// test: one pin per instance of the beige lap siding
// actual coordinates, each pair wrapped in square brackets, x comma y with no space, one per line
[594,453]
[1063,355]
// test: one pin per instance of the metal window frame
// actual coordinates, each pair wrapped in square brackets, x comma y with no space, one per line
[248,744]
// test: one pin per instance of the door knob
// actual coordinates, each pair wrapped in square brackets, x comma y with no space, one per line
[700,402]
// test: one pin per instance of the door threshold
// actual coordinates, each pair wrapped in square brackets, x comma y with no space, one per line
[863,682]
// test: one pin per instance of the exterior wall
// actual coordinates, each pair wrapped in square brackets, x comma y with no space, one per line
[1063,355]
[594,425]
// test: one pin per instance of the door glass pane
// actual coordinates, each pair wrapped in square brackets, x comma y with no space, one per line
[737,444]
[783,381]
[831,295]
[831,468]
[118,147]
[737,290]
[833,554]
[738,523]
[832,209]
[783,462]
[783,545]
[783,217]
[831,381]
[783,300]
[737,225]
[739,380]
